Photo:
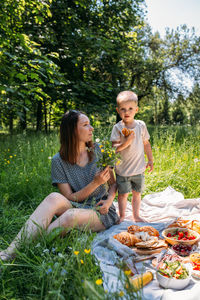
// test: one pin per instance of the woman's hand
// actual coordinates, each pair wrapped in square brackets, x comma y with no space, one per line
[104,206]
[102,177]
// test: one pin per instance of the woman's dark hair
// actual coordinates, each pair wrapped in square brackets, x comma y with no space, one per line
[68,137]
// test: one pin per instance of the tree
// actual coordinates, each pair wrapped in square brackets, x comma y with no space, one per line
[25,71]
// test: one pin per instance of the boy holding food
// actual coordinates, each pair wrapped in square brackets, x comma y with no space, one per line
[131,139]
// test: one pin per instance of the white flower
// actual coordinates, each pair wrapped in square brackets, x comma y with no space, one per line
[97,140]
[61,255]
[46,251]
[49,157]
[196,160]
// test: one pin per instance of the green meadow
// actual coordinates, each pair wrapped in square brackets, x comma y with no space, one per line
[51,267]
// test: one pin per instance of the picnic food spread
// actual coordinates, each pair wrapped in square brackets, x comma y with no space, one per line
[180,240]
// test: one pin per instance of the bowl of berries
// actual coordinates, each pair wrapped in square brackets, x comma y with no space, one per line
[182,249]
[184,236]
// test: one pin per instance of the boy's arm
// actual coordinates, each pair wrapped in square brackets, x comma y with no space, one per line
[121,146]
[148,152]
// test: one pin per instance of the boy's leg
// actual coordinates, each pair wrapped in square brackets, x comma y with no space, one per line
[122,202]
[136,202]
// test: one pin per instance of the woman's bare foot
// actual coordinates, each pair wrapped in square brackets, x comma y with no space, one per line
[5,256]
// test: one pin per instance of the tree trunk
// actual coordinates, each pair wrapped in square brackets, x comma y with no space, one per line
[39,116]
[45,117]
[11,122]
[23,124]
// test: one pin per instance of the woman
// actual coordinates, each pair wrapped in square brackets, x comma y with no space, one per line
[84,202]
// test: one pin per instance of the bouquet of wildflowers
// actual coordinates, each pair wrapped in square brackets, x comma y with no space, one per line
[108,155]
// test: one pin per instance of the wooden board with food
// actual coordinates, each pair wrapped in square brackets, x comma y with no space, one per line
[143,240]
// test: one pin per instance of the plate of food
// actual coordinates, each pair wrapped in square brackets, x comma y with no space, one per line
[195,260]
[177,235]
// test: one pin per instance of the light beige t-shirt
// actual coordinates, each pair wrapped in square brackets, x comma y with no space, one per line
[132,158]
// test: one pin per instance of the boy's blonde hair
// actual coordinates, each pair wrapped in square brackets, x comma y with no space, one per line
[126,96]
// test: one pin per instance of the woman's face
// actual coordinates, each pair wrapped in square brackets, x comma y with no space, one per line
[84,129]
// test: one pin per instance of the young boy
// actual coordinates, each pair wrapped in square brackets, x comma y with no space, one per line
[131,142]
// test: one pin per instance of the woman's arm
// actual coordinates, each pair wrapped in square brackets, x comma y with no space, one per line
[99,179]
[104,205]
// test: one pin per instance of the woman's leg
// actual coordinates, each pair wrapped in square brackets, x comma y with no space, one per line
[53,204]
[78,218]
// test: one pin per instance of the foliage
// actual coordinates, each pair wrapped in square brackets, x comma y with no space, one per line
[56,55]
[26,74]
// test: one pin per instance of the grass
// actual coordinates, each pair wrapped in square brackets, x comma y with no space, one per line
[50,267]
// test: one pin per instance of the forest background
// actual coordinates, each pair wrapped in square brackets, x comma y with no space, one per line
[57,55]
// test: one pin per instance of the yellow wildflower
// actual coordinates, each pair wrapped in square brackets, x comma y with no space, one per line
[118,162]
[121,293]
[8,161]
[102,150]
[10,156]
[101,146]
[127,272]
[99,281]
[76,252]
[82,261]
[87,251]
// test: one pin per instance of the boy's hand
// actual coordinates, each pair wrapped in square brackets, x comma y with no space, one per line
[126,132]
[126,143]
[150,165]
[130,137]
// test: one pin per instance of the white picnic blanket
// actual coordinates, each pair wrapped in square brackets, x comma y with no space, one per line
[159,210]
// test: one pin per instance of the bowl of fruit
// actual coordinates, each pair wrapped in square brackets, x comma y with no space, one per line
[182,249]
[176,235]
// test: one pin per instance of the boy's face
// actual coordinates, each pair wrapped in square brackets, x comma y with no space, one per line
[127,111]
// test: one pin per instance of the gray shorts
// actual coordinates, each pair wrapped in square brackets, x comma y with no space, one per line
[127,184]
